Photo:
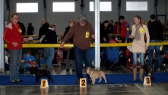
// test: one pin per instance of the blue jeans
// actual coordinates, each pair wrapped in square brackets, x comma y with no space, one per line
[79,56]
[157,50]
[49,56]
[135,58]
[14,63]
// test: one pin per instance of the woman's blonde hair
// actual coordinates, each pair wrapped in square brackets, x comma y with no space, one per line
[73,21]
[145,22]
[52,25]
[139,17]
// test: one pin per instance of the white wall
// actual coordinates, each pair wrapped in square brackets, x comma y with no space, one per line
[61,19]
[25,18]
[145,15]
[161,9]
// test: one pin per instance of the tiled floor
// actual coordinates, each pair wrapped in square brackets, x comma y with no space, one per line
[106,89]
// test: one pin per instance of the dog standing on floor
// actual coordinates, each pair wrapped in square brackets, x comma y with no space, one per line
[95,74]
[149,71]
[38,73]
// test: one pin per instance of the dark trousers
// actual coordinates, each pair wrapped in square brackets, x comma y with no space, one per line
[123,59]
[81,55]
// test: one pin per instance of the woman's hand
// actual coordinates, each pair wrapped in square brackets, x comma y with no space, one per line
[146,48]
[130,36]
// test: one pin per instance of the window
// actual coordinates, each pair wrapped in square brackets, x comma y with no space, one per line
[136,6]
[63,6]
[104,6]
[26,7]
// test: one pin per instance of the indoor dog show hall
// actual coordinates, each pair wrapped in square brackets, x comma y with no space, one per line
[84,47]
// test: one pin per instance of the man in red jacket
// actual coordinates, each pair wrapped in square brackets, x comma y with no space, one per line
[13,38]
[125,30]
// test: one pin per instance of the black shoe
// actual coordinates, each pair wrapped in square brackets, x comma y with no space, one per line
[67,70]
[90,79]
[14,81]
[73,70]
[77,81]
[19,80]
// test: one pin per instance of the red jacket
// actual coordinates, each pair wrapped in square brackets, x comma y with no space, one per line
[115,29]
[13,34]
[123,29]
[119,29]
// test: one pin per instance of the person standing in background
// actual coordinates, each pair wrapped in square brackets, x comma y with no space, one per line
[165,26]
[156,35]
[111,26]
[104,38]
[22,28]
[104,31]
[50,38]
[43,28]
[13,38]
[70,53]
[30,29]
[115,28]
[125,29]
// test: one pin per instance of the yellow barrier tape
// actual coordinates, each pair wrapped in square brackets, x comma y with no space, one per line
[91,45]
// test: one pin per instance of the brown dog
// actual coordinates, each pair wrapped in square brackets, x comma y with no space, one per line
[95,74]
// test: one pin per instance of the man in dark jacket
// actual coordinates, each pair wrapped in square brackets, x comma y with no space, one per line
[22,27]
[111,26]
[50,38]
[104,31]
[69,55]
[156,35]
[30,29]
[43,28]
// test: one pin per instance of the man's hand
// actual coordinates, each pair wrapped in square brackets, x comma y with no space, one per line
[15,44]
[125,41]
[42,36]
[25,39]
[62,45]
[104,39]
[93,36]
[22,61]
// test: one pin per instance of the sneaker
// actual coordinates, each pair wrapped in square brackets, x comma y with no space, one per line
[14,81]
[67,70]
[77,81]
[18,80]
[158,69]
[51,68]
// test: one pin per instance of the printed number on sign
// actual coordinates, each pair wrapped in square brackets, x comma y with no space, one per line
[83,82]
[43,83]
[147,81]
